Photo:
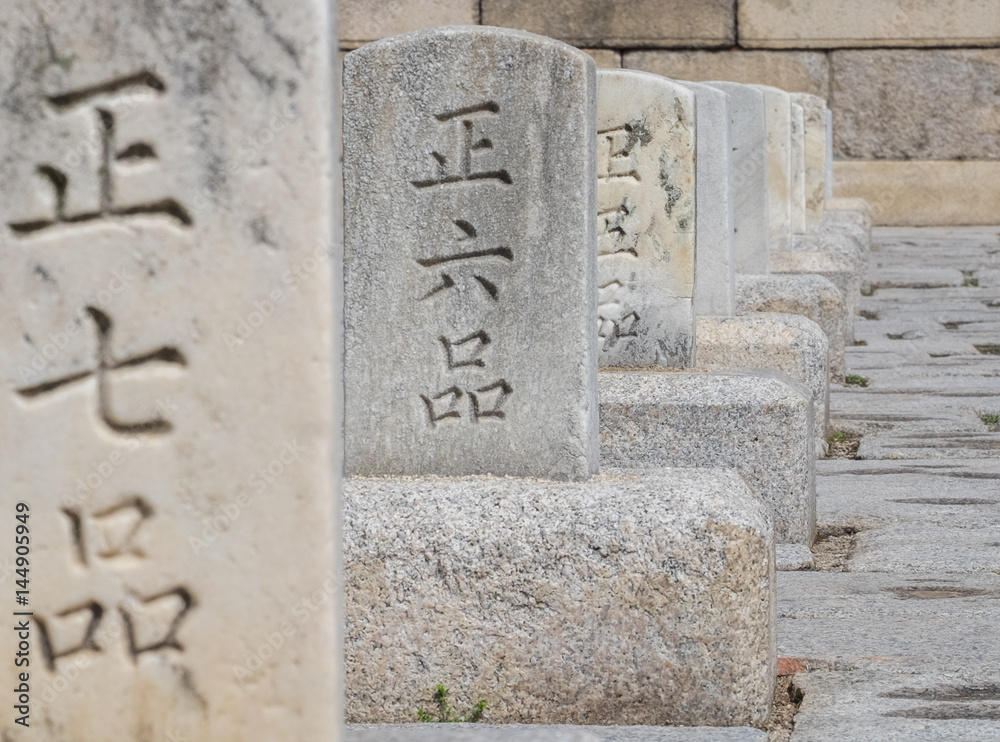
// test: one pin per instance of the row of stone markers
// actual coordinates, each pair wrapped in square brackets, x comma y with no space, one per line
[514,221]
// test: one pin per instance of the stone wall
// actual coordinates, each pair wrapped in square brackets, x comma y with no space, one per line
[914,85]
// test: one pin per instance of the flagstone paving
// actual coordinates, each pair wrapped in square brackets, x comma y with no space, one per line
[901,639]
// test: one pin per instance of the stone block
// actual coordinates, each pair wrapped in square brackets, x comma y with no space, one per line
[815,147]
[481,732]
[361,21]
[637,23]
[814,297]
[645,220]
[748,136]
[546,599]
[801,71]
[759,424]
[715,257]
[921,194]
[793,557]
[606,58]
[820,24]
[798,152]
[789,343]
[169,417]
[916,104]
[840,270]
[778,114]
[455,205]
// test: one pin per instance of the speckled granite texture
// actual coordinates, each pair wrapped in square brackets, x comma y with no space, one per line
[642,597]
[759,424]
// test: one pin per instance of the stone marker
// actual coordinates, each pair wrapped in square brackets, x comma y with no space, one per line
[715,273]
[829,155]
[645,220]
[798,169]
[814,111]
[778,112]
[469,171]
[168,405]
[749,182]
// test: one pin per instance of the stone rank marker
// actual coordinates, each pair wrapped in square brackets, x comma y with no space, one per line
[645,220]
[469,171]
[136,234]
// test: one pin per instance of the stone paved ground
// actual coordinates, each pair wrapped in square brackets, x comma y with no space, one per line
[900,637]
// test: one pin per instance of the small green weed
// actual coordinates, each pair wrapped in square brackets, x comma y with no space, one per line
[991,420]
[446,712]
[971,282]
[856,380]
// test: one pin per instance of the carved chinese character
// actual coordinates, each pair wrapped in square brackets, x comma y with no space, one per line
[441,410]
[616,153]
[153,622]
[106,364]
[616,230]
[112,152]
[612,322]
[466,232]
[113,529]
[458,356]
[58,635]
[487,400]
[457,164]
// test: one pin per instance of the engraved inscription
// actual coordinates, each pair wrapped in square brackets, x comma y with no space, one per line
[466,232]
[612,321]
[458,356]
[106,364]
[487,400]
[111,151]
[151,622]
[616,230]
[448,402]
[616,153]
[457,161]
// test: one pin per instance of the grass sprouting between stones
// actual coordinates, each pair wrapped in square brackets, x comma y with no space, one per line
[856,380]
[446,712]
[991,420]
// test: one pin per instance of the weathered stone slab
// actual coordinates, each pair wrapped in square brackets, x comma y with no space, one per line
[790,343]
[778,113]
[793,557]
[811,296]
[749,179]
[469,171]
[815,141]
[759,424]
[798,142]
[645,220]
[829,154]
[632,24]
[715,257]
[838,269]
[166,231]
[542,598]
[481,732]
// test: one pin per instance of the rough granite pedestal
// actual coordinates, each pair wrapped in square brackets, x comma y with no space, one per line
[637,597]
[790,343]
[759,424]
[811,296]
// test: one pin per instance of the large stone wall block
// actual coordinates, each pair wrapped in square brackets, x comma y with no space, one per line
[645,220]
[362,21]
[547,599]
[916,104]
[760,424]
[800,71]
[834,24]
[470,251]
[169,370]
[635,23]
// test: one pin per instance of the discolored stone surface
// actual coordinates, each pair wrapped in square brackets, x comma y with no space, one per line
[798,191]
[778,115]
[645,220]
[170,415]
[542,598]
[759,424]
[469,171]
[815,147]
[751,220]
